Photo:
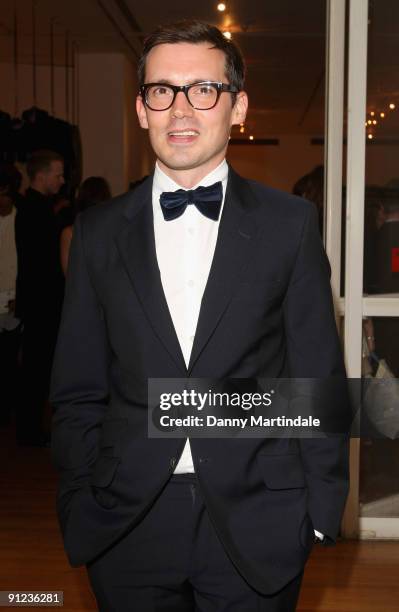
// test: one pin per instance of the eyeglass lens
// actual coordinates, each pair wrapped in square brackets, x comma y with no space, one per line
[201,96]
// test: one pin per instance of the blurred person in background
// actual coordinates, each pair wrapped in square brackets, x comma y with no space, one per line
[39,292]
[311,187]
[386,329]
[9,324]
[92,191]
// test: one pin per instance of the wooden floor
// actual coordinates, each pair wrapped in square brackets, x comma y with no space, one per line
[351,577]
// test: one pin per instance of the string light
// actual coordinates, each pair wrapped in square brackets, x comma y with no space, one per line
[251,137]
[374,122]
[227,35]
[242,129]
[221,7]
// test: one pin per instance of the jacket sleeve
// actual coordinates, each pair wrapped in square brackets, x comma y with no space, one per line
[79,387]
[314,352]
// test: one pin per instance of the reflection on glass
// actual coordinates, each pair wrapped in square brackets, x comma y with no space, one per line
[381,240]
[381,231]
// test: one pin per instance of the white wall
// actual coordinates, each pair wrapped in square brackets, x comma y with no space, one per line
[281,166]
[116,147]
[101,117]
[24,89]
[138,156]
[278,166]
[113,144]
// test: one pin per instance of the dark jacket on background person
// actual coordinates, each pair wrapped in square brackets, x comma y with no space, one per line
[39,282]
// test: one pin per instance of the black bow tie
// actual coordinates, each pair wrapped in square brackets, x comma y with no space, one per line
[208,200]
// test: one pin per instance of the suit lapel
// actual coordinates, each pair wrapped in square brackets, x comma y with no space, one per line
[136,245]
[233,248]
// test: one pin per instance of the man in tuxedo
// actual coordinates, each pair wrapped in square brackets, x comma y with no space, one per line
[224,279]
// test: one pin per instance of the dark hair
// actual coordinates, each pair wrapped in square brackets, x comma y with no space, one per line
[391,200]
[193,31]
[311,187]
[10,178]
[40,161]
[93,190]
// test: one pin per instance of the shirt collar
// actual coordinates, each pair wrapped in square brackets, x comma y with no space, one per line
[162,182]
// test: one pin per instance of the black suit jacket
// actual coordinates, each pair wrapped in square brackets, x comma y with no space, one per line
[266,312]
[39,291]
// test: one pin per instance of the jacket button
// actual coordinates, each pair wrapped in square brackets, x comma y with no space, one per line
[203,460]
[173,462]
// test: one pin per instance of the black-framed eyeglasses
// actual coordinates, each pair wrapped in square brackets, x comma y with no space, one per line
[203,95]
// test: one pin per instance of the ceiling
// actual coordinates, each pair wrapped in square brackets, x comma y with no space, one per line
[283,44]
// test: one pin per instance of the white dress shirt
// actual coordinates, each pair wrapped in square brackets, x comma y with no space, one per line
[185,249]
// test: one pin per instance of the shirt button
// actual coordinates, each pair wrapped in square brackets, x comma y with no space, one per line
[173,462]
[190,283]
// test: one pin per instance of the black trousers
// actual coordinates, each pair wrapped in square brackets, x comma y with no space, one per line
[9,346]
[173,561]
[38,342]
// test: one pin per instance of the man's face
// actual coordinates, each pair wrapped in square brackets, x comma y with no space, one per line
[188,141]
[53,178]
[5,202]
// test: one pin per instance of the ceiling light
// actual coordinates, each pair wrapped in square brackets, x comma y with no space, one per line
[251,138]
[370,136]
[221,7]
[374,122]
[392,106]
[372,113]
[382,115]
[227,35]
[369,122]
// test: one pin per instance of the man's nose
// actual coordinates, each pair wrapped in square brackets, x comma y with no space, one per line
[181,107]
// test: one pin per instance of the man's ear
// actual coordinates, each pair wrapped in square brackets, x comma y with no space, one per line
[141,113]
[240,108]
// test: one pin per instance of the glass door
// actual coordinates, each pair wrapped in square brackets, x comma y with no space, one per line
[366,288]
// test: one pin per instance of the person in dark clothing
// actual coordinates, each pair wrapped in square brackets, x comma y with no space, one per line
[93,190]
[386,329]
[197,273]
[311,187]
[39,291]
[9,324]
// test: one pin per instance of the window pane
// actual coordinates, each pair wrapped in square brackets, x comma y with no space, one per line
[381,250]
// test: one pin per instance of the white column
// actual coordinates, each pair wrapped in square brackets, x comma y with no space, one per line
[335,75]
[356,149]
